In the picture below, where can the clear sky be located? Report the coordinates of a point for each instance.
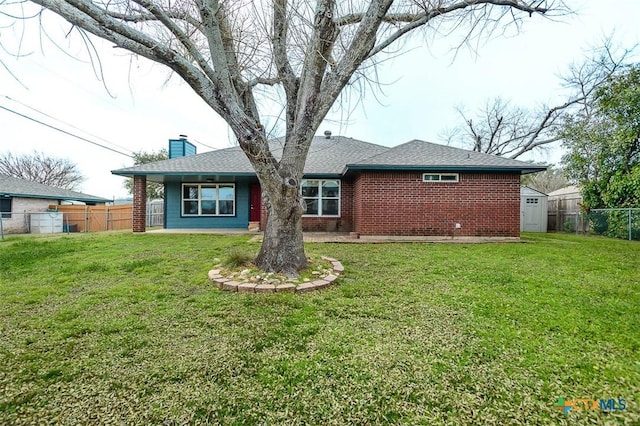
(141, 110)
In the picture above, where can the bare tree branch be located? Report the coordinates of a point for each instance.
(40, 168)
(511, 131)
(286, 74)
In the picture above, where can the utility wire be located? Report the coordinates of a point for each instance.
(204, 144)
(64, 131)
(67, 124)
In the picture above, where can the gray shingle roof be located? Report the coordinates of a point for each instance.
(17, 187)
(418, 154)
(335, 156)
(330, 156)
(223, 161)
(326, 156)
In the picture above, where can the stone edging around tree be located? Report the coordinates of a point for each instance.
(224, 283)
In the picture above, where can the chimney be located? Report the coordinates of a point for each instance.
(327, 134)
(181, 147)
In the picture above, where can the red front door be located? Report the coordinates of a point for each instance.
(255, 203)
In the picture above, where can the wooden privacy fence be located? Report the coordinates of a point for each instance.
(96, 218)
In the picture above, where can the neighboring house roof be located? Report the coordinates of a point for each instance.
(334, 157)
(16, 187)
(567, 190)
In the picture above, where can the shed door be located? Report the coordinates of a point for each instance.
(255, 203)
(531, 217)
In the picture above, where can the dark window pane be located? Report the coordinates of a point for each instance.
(312, 206)
(310, 188)
(450, 178)
(226, 207)
(5, 207)
(330, 207)
(431, 177)
(190, 207)
(190, 192)
(330, 188)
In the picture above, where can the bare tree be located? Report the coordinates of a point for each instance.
(503, 129)
(238, 54)
(37, 167)
(548, 181)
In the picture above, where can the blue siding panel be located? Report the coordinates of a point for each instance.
(174, 220)
(181, 148)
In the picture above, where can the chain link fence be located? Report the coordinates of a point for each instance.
(615, 223)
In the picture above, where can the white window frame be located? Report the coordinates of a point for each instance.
(200, 199)
(531, 201)
(320, 198)
(456, 178)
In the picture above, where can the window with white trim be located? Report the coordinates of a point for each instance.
(5, 207)
(208, 199)
(532, 201)
(321, 196)
(440, 177)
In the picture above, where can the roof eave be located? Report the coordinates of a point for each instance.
(322, 175)
(443, 168)
(200, 173)
(55, 197)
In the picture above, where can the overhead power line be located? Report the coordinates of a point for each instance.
(68, 124)
(65, 132)
(204, 144)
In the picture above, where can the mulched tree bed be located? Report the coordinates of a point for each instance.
(321, 273)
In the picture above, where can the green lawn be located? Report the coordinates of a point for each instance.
(126, 329)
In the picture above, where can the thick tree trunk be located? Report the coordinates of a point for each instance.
(282, 248)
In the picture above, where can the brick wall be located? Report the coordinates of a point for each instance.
(263, 216)
(139, 204)
(484, 204)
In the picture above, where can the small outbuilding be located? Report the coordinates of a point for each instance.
(533, 210)
(25, 205)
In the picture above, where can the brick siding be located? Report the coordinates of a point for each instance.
(139, 203)
(399, 203)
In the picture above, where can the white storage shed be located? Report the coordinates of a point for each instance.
(533, 210)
